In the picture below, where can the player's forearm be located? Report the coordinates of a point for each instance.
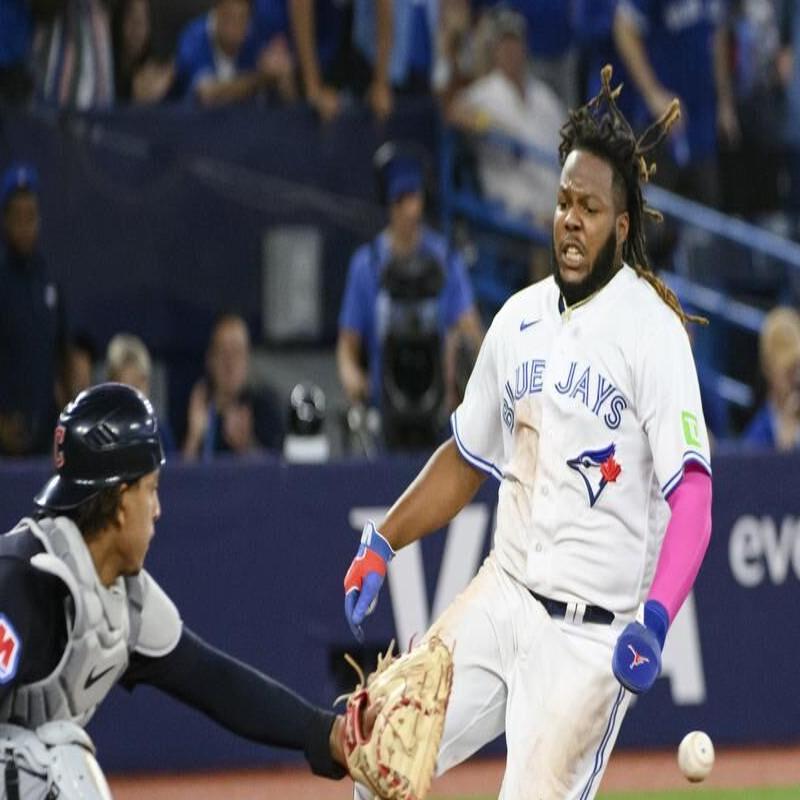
(241, 699)
(444, 486)
(685, 541)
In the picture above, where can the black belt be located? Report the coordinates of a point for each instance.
(558, 610)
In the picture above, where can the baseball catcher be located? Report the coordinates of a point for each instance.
(79, 613)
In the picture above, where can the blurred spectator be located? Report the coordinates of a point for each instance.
(77, 371)
(16, 31)
(222, 60)
(550, 37)
(751, 166)
(407, 305)
(226, 413)
(32, 339)
(777, 422)
(593, 22)
(328, 60)
(679, 48)
(789, 74)
(138, 77)
(511, 100)
(128, 361)
(398, 40)
(455, 61)
(73, 62)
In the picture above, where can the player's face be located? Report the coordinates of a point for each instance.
(139, 510)
(21, 223)
(232, 20)
(588, 232)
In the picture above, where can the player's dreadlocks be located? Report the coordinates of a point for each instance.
(600, 128)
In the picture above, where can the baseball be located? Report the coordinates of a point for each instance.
(696, 756)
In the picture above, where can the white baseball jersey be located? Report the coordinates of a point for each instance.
(609, 390)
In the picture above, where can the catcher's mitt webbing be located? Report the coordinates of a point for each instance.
(397, 761)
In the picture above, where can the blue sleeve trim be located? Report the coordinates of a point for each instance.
(476, 461)
(689, 457)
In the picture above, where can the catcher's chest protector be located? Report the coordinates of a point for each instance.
(102, 626)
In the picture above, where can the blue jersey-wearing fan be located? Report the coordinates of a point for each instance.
(593, 23)
(414, 26)
(16, 28)
(679, 39)
(199, 57)
(549, 24)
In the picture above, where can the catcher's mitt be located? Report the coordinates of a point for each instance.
(410, 692)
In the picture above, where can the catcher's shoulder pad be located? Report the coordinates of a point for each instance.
(411, 691)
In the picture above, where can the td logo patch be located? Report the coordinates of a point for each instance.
(691, 433)
(10, 649)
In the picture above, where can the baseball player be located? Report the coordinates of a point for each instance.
(78, 613)
(584, 405)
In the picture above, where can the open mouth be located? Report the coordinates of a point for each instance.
(572, 255)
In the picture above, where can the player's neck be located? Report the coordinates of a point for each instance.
(104, 556)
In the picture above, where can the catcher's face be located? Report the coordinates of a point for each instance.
(138, 511)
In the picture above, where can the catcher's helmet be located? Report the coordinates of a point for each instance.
(106, 436)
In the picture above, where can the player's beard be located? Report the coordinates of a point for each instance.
(603, 269)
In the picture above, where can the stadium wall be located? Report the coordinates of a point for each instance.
(253, 553)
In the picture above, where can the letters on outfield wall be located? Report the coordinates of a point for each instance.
(254, 555)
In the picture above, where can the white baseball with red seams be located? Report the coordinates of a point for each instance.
(696, 756)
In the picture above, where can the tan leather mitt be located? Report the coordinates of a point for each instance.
(411, 691)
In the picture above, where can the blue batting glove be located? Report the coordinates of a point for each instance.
(637, 654)
(365, 577)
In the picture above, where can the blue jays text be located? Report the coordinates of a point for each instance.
(581, 383)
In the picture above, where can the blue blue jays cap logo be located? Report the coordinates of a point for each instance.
(598, 468)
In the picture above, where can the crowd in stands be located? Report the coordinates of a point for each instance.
(512, 68)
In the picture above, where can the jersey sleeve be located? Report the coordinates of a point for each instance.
(476, 423)
(161, 623)
(668, 400)
(354, 313)
(32, 623)
(458, 298)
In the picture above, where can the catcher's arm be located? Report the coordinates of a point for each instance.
(244, 700)
(443, 487)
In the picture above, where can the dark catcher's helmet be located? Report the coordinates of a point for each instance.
(108, 435)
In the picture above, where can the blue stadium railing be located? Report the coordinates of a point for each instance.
(463, 201)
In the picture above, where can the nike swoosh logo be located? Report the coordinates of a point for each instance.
(91, 678)
(523, 326)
